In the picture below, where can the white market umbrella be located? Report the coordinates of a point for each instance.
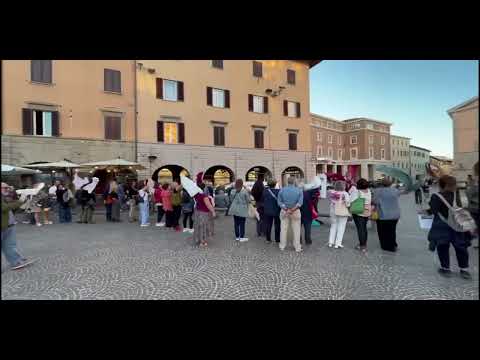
(64, 164)
(115, 163)
(16, 170)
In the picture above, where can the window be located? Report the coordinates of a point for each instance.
(353, 153)
(340, 154)
(41, 71)
(258, 104)
(257, 69)
(370, 139)
(291, 77)
(258, 139)
(339, 139)
(318, 136)
(356, 126)
(291, 109)
(319, 150)
(370, 126)
(330, 153)
(330, 139)
(218, 98)
(353, 139)
(219, 135)
(382, 140)
(112, 81)
(292, 141)
(113, 128)
(40, 123)
(218, 64)
(371, 153)
(170, 90)
(382, 154)
(170, 132)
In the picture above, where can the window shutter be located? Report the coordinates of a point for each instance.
(227, 98)
(291, 77)
(222, 136)
(159, 88)
(106, 82)
(160, 137)
(298, 110)
(180, 91)
(265, 105)
(217, 64)
(36, 70)
(117, 81)
(108, 134)
(261, 134)
(215, 135)
(181, 133)
(255, 139)
(250, 102)
(27, 121)
(292, 141)
(55, 124)
(257, 69)
(116, 128)
(285, 107)
(209, 96)
(47, 71)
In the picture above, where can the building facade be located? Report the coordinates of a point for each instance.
(465, 137)
(400, 152)
(442, 164)
(352, 147)
(419, 159)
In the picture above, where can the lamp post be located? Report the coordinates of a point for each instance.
(151, 158)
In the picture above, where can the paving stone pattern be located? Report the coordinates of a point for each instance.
(124, 261)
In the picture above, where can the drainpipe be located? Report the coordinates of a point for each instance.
(135, 109)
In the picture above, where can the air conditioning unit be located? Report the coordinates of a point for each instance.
(152, 71)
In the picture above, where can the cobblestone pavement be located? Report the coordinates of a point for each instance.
(124, 261)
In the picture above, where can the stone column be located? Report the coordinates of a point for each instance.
(364, 171)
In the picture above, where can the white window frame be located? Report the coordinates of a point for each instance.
(330, 152)
(292, 109)
(258, 104)
(382, 154)
(382, 140)
(371, 152)
(340, 154)
(351, 140)
(371, 139)
(165, 93)
(218, 98)
(330, 139)
(319, 150)
(34, 127)
(356, 152)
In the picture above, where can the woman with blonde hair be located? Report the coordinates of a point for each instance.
(339, 203)
(110, 198)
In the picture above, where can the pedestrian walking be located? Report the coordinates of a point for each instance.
(418, 191)
(339, 203)
(271, 211)
(112, 204)
(9, 240)
(441, 235)
(360, 208)
(257, 193)
(144, 205)
(239, 203)
(157, 197)
(290, 200)
(188, 205)
(386, 201)
(204, 214)
(63, 196)
(176, 205)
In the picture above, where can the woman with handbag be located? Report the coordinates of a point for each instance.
(239, 208)
(271, 211)
(63, 196)
(339, 203)
(360, 208)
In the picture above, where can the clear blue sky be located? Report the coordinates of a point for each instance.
(413, 95)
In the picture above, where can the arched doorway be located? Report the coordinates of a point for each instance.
(253, 173)
(294, 171)
(219, 175)
(169, 173)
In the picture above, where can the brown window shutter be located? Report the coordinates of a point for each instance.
(160, 137)
(291, 77)
(217, 64)
(257, 69)
(36, 70)
(180, 90)
(227, 99)
(47, 71)
(106, 80)
(298, 110)
(292, 141)
(265, 105)
(250, 102)
(215, 135)
(285, 107)
(159, 88)
(222, 136)
(27, 121)
(255, 139)
(209, 96)
(108, 128)
(116, 128)
(181, 133)
(55, 124)
(260, 136)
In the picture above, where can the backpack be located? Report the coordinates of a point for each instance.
(459, 219)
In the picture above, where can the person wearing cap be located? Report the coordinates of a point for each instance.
(9, 240)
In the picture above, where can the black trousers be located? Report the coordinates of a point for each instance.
(177, 213)
(307, 226)
(361, 225)
(188, 216)
(239, 225)
(169, 218)
(418, 197)
(108, 208)
(269, 221)
(261, 222)
(160, 213)
(387, 234)
(461, 251)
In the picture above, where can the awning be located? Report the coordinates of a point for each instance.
(115, 163)
(16, 170)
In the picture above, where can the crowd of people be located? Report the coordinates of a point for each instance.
(294, 206)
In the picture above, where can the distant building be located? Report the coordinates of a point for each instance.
(400, 152)
(419, 159)
(465, 137)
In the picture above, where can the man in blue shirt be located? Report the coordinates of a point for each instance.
(290, 200)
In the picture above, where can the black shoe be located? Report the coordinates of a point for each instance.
(445, 272)
(465, 274)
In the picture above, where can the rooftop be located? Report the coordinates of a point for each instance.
(462, 105)
(400, 137)
(420, 148)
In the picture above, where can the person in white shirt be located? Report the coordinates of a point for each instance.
(361, 220)
(339, 203)
(144, 205)
(323, 186)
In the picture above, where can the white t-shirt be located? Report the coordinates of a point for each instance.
(52, 190)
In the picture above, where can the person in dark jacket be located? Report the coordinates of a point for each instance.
(441, 235)
(112, 203)
(309, 202)
(64, 212)
(188, 205)
(87, 202)
(257, 193)
(271, 211)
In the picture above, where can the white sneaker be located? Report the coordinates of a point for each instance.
(38, 224)
(237, 239)
(338, 246)
(186, 230)
(243, 239)
(330, 245)
(158, 224)
(144, 225)
(191, 231)
(162, 224)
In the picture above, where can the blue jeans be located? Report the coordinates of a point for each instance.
(239, 224)
(64, 214)
(9, 246)
(144, 212)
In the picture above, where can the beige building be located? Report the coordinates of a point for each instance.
(465, 137)
(419, 159)
(352, 147)
(400, 152)
(441, 164)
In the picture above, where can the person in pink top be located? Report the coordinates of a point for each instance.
(166, 198)
(157, 196)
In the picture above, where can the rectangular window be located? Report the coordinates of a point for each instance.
(112, 81)
(330, 139)
(219, 135)
(257, 69)
(113, 128)
(353, 154)
(330, 153)
(371, 153)
(340, 154)
(170, 90)
(258, 104)
(218, 98)
(370, 126)
(319, 150)
(291, 77)
(291, 109)
(353, 139)
(41, 71)
(339, 139)
(292, 141)
(382, 154)
(318, 136)
(258, 139)
(218, 64)
(370, 139)
(382, 140)
(170, 132)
